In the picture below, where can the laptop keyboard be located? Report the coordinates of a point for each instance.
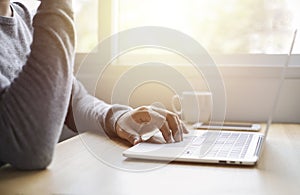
(220, 144)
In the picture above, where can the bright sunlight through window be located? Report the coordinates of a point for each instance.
(221, 26)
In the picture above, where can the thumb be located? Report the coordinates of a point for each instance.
(133, 137)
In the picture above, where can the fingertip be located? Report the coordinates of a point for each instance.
(185, 130)
(178, 136)
(136, 141)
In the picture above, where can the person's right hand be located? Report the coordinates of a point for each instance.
(142, 123)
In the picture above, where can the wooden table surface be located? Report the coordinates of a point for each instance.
(90, 164)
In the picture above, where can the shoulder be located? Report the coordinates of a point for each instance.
(22, 11)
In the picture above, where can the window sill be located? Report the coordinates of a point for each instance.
(254, 66)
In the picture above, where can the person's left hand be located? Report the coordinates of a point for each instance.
(142, 123)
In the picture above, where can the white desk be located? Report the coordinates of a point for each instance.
(75, 170)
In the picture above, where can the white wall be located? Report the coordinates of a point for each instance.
(249, 90)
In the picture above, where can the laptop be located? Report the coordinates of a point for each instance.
(211, 146)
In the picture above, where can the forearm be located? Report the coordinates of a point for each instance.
(92, 114)
(33, 106)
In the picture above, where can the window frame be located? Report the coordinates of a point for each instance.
(108, 25)
(237, 68)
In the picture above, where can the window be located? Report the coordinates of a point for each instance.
(221, 26)
(237, 32)
(86, 22)
(226, 28)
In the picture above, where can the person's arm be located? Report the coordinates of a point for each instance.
(33, 107)
(88, 113)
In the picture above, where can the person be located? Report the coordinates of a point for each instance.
(39, 93)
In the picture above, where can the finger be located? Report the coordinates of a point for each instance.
(161, 111)
(156, 140)
(184, 129)
(175, 127)
(166, 132)
(133, 137)
(173, 122)
(180, 124)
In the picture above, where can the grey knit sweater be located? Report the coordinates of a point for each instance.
(37, 83)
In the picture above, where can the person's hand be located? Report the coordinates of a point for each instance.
(142, 123)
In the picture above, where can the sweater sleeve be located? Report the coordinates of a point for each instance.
(34, 105)
(88, 113)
